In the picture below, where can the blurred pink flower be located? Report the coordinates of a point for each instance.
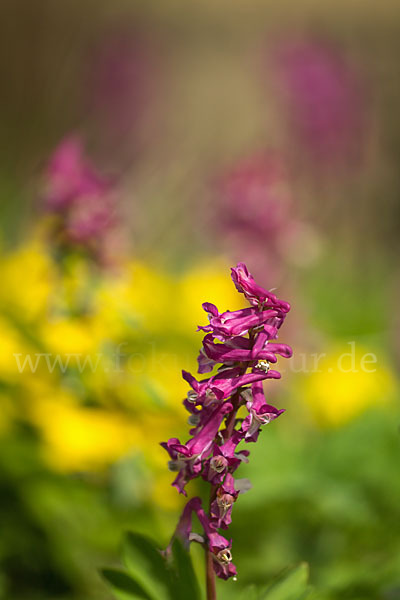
(257, 219)
(326, 100)
(82, 200)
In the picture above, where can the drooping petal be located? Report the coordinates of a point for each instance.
(254, 293)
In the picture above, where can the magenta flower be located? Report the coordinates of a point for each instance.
(255, 212)
(255, 197)
(184, 528)
(229, 324)
(256, 216)
(224, 458)
(242, 350)
(260, 413)
(221, 506)
(187, 458)
(220, 386)
(219, 548)
(326, 100)
(216, 544)
(243, 344)
(81, 200)
(69, 177)
(255, 294)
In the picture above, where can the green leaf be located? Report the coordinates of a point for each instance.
(292, 585)
(124, 587)
(145, 563)
(250, 593)
(187, 587)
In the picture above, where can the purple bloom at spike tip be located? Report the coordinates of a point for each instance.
(243, 344)
(255, 294)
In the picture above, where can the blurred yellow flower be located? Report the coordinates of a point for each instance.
(81, 438)
(140, 320)
(205, 282)
(70, 336)
(345, 384)
(162, 492)
(12, 345)
(27, 277)
(150, 294)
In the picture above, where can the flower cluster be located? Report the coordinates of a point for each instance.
(326, 98)
(255, 211)
(257, 217)
(242, 345)
(80, 199)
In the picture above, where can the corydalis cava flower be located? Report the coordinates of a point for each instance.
(242, 345)
(326, 97)
(80, 199)
(257, 216)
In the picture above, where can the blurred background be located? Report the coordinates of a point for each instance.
(146, 148)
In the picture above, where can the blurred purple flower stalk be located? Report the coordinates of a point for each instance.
(243, 344)
(257, 218)
(326, 98)
(81, 200)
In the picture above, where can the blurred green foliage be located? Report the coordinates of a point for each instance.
(330, 498)
(150, 576)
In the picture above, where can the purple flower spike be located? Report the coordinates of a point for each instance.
(70, 176)
(326, 96)
(243, 345)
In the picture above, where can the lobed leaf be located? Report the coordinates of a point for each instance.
(292, 585)
(124, 586)
(145, 563)
(187, 587)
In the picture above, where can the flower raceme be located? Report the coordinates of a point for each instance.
(242, 346)
(81, 200)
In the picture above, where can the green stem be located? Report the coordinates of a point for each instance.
(210, 577)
